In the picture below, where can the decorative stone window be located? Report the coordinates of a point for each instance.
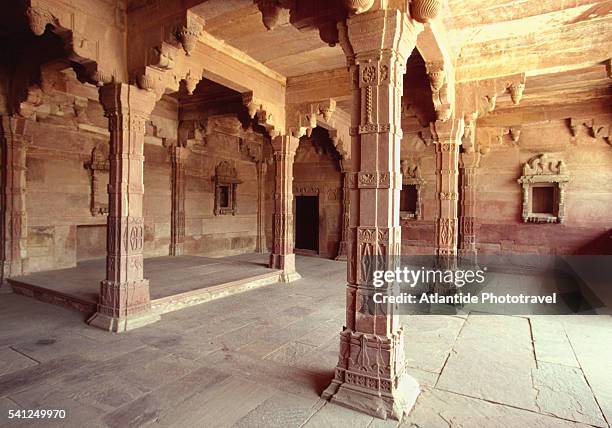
(98, 166)
(544, 179)
(410, 195)
(226, 182)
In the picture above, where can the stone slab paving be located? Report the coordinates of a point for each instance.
(262, 358)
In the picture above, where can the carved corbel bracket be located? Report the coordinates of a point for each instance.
(39, 18)
(597, 130)
(515, 133)
(441, 95)
(257, 110)
(303, 118)
(516, 92)
(358, 6)
(271, 10)
(188, 36)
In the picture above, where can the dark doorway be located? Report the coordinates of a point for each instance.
(408, 198)
(307, 223)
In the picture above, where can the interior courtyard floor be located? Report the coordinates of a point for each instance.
(262, 358)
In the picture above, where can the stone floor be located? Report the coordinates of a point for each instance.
(261, 359)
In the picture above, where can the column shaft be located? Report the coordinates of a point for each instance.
(282, 256)
(346, 209)
(177, 233)
(370, 375)
(260, 244)
(14, 216)
(124, 301)
(467, 228)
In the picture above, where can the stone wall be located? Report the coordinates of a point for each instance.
(587, 228)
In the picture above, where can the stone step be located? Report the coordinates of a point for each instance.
(176, 302)
(54, 297)
(160, 306)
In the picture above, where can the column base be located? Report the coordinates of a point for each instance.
(120, 325)
(382, 405)
(341, 257)
(289, 277)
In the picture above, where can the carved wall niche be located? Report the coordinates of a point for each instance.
(99, 167)
(544, 179)
(412, 190)
(226, 183)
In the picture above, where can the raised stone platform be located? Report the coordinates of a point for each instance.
(175, 282)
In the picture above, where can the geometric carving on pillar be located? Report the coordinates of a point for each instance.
(124, 302)
(469, 163)
(98, 164)
(370, 375)
(282, 256)
(543, 181)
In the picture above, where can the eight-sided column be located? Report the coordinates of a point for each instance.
(371, 372)
(282, 256)
(124, 302)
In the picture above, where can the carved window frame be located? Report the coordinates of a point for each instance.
(411, 175)
(544, 171)
(226, 176)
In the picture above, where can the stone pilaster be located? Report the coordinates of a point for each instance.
(260, 244)
(14, 218)
(468, 224)
(177, 233)
(124, 302)
(346, 209)
(447, 136)
(282, 256)
(371, 372)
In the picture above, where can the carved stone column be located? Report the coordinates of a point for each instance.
(124, 302)
(467, 228)
(346, 208)
(447, 137)
(260, 244)
(282, 256)
(371, 372)
(14, 217)
(177, 233)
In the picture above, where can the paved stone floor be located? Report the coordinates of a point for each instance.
(261, 359)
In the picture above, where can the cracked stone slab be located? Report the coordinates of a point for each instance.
(428, 340)
(492, 360)
(13, 361)
(550, 341)
(441, 409)
(334, 416)
(563, 392)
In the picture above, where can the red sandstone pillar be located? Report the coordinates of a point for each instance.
(282, 256)
(177, 223)
(14, 224)
(346, 208)
(260, 244)
(124, 302)
(467, 228)
(371, 372)
(447, 136)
